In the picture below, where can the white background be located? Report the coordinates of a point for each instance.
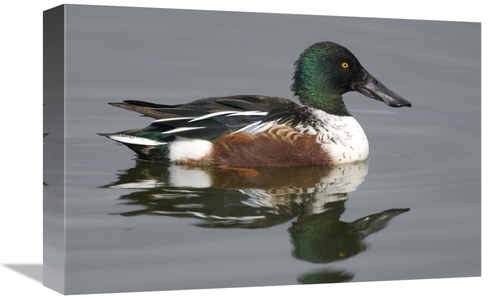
(21, 147)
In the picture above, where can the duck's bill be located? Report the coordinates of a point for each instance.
(371, 87)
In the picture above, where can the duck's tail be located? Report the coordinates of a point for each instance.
(147, 145)
(145, 108)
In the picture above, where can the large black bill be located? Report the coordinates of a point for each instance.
(371, 87)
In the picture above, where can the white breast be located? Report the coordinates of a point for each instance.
(340, 136)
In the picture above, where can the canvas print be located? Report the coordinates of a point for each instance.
(189, 149)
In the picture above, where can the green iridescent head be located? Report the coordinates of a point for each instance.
(326, 70)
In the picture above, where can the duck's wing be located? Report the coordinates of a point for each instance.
(212, 117)
(205, 106)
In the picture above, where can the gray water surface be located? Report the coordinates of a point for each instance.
(411, 211)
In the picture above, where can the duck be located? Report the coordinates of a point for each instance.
(266, 131)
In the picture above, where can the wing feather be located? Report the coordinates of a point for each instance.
(210, 118)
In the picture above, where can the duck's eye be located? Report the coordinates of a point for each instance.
(345, 65)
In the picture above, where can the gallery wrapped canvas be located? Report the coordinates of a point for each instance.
(189, 149)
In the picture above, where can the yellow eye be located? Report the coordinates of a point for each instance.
(345, 65)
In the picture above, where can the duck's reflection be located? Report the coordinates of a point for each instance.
(325, 276)
(323, 238)
(313, 198)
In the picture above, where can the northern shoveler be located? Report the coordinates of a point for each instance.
(253, 130)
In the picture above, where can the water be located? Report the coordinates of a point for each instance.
(412, 211)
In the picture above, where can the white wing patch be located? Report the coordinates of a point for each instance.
(249, 113)
(135, 140)
(171, 119)
(210, 115)
(262, 127)
(182, 129)
(255, 127)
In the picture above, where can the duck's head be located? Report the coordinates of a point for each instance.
(326, 70)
